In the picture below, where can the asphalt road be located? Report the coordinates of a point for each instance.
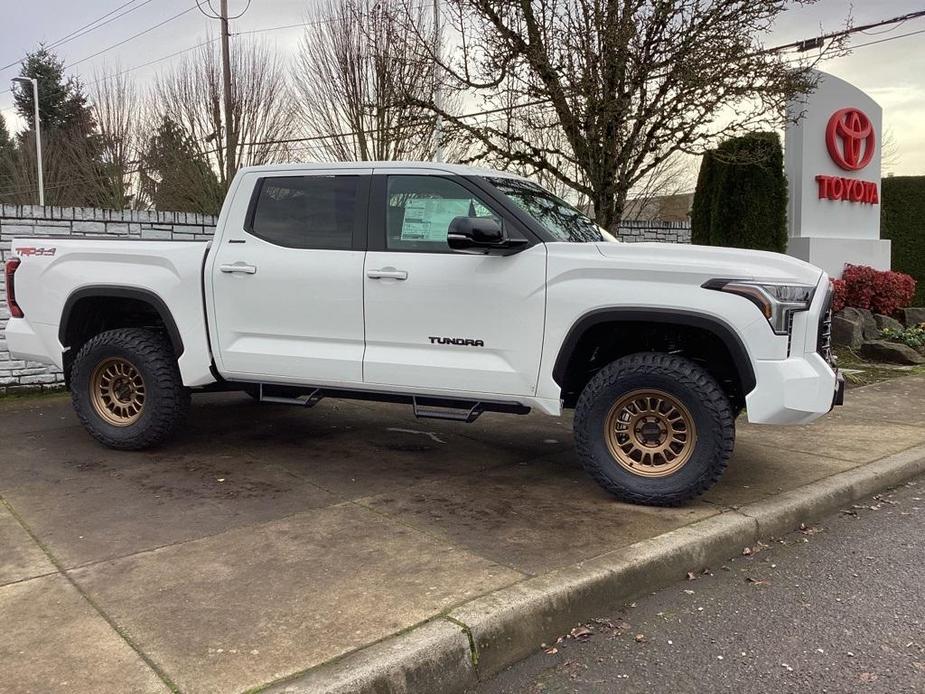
(838, 607)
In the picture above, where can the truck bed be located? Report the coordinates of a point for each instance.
(54, 272)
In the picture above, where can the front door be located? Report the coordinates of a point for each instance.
(287, 287)
(443, 320)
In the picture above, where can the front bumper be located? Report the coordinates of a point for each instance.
(793, 391)
(806, 385)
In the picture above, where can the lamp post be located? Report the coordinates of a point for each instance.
(38, 132)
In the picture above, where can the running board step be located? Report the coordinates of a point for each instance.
(424, 407)
(455, 414)
(281, 397)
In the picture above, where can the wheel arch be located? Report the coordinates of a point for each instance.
(105, 293)
(663, 318)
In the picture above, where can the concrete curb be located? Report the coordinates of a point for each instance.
(482, 637)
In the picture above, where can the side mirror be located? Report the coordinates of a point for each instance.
(475, 233)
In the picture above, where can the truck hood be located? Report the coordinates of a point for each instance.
(712, 262)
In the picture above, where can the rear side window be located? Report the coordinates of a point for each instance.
(317, 212)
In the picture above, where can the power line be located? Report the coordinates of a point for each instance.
(130, 38)
(106, 78)
(890, 38)
(91, 29)
(77, 32)
(819, 41)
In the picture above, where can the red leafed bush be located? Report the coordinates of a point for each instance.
(881, 291)
(839, 295)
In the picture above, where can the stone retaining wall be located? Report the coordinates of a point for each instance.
(667, 232)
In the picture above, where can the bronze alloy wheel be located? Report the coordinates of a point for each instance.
(650, 433)
(117, 391)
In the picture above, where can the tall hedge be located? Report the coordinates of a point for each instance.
(902, 220)
(700, 206)
(741, 195)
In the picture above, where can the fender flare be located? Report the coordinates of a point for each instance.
(108, 291)
(729, 337)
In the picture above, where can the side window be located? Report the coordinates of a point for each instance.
(317, 212)
(419, 210)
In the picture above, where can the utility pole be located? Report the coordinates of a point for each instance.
(230, 166)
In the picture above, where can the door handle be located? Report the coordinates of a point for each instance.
(387, 274)
(239, 267)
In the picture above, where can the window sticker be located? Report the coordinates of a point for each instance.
(428, 219)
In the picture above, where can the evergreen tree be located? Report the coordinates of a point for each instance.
(7, 154)
(175, 176)
(75, 173)
(62, 103)
(741, 196)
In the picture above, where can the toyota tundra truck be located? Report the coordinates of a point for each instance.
(456, 290)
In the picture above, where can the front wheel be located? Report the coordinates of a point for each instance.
(127, 390)
(654, 428)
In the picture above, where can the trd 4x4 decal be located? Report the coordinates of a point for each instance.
(35, 251)
(462, 341)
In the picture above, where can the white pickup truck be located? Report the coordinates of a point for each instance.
(456, 290)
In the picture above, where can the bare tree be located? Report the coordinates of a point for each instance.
(262, 108)
(357, 61)
(889, 152)
(628, 84)
(117, 110)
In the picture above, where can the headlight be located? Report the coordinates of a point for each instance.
(778, 302)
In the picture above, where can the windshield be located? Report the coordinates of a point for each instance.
(559, 218)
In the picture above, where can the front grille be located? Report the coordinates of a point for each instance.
(824, 337)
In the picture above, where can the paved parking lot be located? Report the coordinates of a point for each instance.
(267, 540)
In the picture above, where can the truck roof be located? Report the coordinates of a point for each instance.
(425, 168)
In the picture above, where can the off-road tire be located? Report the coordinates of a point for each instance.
(166, 400)
(700, 395)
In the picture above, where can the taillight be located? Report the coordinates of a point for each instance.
(11, 265)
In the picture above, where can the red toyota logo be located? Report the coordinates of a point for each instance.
(851, 139)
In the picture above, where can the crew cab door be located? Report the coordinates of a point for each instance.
(287, 278)
(443, 320)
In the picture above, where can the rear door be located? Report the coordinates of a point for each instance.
(443, 320)
(287, 283)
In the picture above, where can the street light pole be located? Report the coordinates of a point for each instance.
(437, 96)
(38, 133)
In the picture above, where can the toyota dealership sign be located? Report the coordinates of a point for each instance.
(852, 143)
(833, 169)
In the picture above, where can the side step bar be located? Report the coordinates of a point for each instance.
(423, 407)
(305, 400)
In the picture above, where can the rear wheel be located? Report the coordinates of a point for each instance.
(654, 429)
(127, 390)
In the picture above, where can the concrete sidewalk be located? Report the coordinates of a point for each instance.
(267, 541)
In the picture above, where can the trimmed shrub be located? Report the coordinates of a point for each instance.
(741, 195)
(902, 220)
(702, 203)
(877, 290)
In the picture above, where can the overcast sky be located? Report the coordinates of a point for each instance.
(893, 71)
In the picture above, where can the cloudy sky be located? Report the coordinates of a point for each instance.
(891, 68)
